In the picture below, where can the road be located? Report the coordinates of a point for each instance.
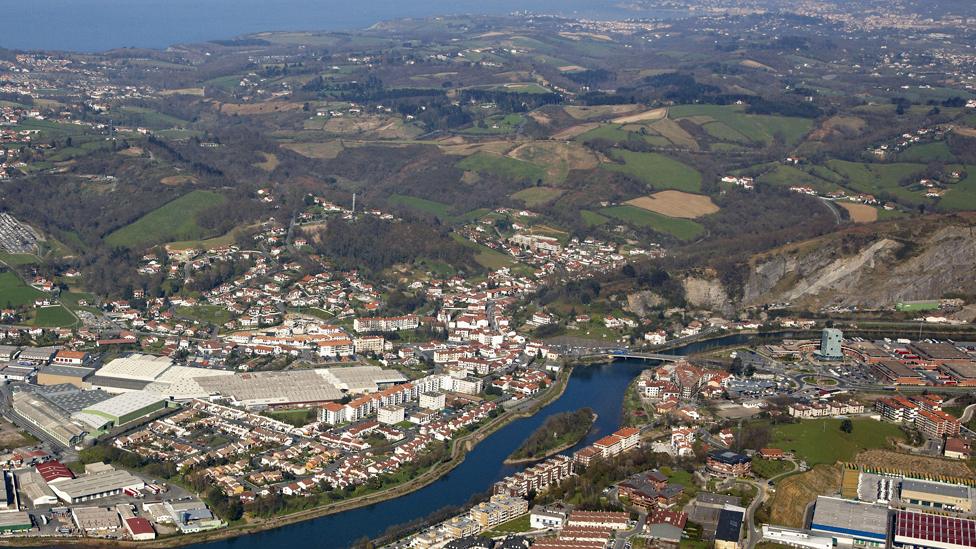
(967, 414)
(753, 532)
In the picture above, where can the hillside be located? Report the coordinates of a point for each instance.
(878, 265)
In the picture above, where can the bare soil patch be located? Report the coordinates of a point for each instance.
(789, 503)
(326, 150)
(574, 131)
(676, 204)
(270, 162)
(646, 116)
(176, 180)
(860, 213)
(886, 459)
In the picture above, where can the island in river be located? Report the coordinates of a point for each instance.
(559, 432)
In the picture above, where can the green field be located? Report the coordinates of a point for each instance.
(536, 196)
(789, 176)
(880, 178)
(208, 314)
(683, 229)
(51, 317)
(514, 526)
(485, 256)
(14, 292)
(962, 195)
(758, 128)
(176, 220)
(593, 219)
(437, 209)
(15, 260)
(928, 152)
(767, 468)
(916, 306)
(657, 170)
(502, 166)
(498, 124)
(822, 441)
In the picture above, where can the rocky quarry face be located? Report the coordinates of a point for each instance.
(880, 273)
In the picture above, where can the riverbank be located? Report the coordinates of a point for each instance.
(553, 451)
(459, 448)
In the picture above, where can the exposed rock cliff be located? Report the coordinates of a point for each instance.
(921, 261)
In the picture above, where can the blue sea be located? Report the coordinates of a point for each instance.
(98, 25)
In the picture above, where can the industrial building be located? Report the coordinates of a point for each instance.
(40, 413)
(851, 522)
(34, 490)
(96, 520)
(120, 409)
(60, 374)
(924, 530)
(95, 486)
(792, 537)
(130, 373)
(937, 495)
(37, 356)
(14, 522)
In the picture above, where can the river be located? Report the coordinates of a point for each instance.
(601, 387)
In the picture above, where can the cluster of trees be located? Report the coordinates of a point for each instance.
(511, 101)
(558, 430)
(587, 487)
(374, 245)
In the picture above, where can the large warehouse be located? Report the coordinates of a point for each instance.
(851, 522)
(40, 413)
(130, 373)
(121, 409)
(89, 487)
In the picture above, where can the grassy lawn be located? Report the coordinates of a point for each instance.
(962, 195)
(513, 526)
(502, 166)
(485, 256)
(769, 468)
(822, 441)
(593, 219)
(789, 176)
(298, 418)
(929, 152)
(14, 292)
(176, 220)
(51, 317)
(683, 229)
(657, 170)
(15, 260)
(536, 196)
(210, 314)
(437, 209)
(498, 124)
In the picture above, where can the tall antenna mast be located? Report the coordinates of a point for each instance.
(354, 203)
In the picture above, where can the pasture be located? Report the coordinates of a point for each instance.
(859, 213)
(657, 170)
(758, 128)
(682, 229)
(14, 292)
(537, 196)
(502, 166)
(175, 220)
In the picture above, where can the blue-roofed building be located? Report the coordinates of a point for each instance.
(851, 523)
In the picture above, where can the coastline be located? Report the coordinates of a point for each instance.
(459, 448)
(552, 451)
